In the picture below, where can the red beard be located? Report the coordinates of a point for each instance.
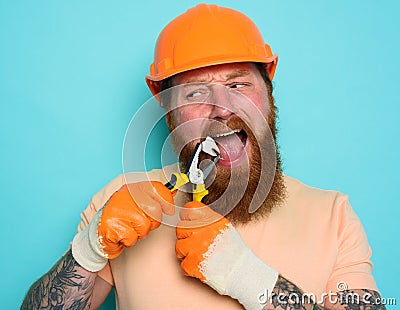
(249, 191)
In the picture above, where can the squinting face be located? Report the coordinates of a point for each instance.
(242, 77)
(230, 103)
(237, 100)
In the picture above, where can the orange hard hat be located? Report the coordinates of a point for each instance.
(207, 35)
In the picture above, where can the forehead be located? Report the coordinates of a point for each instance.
(218, 73)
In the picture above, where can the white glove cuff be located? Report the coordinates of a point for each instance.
(86, 247)
(231, 268)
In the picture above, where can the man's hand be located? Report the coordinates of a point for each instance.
(197, 230)
(212, 250)
(129, 215)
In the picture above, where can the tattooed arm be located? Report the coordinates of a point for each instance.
(114, 227)
(287, 295)
(67, 286)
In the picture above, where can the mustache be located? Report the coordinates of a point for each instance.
(215, 128)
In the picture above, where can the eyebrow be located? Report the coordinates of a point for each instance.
(229, 76)
(237, 73)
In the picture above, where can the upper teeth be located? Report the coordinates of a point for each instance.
(227, 133)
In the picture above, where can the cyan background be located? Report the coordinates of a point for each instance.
(72, 76)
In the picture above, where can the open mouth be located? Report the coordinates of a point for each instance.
(232, 145)
(242, 135)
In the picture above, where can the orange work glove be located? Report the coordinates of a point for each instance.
(197, 230)
(212, 250)
(129, 215)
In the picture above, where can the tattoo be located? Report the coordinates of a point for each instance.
(66, 286)
(282, 297)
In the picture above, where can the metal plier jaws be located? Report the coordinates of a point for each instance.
(193, 173)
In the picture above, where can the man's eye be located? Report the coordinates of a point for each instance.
(194, 94)
(237, 85)
(197, 95)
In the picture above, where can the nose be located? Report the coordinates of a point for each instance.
(222, 107)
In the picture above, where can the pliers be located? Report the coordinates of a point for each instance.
(193, 173)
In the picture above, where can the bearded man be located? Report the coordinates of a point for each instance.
(259, 239)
